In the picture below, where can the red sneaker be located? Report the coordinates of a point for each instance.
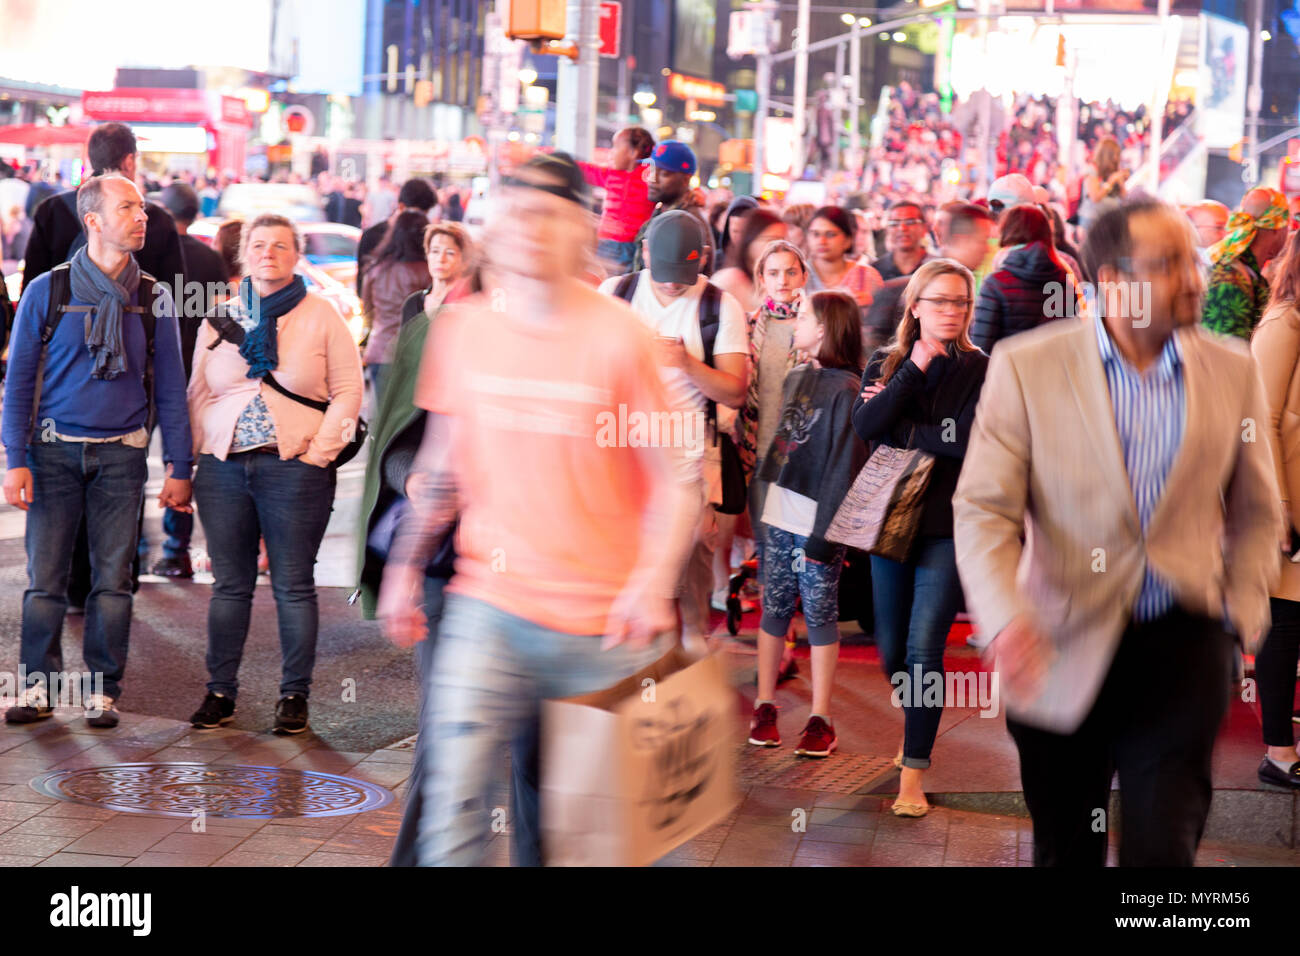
(818, 739)
(763, 731)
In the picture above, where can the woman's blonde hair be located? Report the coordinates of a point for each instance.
(909, 328)
(771, 249)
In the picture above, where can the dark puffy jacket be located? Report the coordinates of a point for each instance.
(1020, 296)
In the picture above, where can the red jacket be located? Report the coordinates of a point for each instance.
(627, 204)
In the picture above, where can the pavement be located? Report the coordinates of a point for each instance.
(793, 811)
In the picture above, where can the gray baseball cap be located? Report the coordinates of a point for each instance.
(676, 241)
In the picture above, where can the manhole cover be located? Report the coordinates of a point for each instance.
(179, 789)
(839, 773)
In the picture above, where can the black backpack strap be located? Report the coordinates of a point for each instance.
(626, 287)
(710, 322)
(710, 319)
(148, 297)
(55, 307)
(227, 329)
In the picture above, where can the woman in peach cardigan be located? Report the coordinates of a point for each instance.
(265, 461)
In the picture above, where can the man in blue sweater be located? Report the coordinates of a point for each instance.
(83, 448)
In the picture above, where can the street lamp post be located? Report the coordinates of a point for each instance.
(800, 90)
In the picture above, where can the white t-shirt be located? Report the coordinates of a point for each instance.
(680, 319)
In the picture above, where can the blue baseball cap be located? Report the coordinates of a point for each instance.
(673, 155)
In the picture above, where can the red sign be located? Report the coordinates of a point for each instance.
(692, 88)
(611, 28)
(143, 105)
(147, 105)
(235, 110)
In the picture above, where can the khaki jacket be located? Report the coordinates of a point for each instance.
(1045, 462)
(1276, 347)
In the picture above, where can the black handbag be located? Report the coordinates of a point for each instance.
(227, 328)
(358, 434)
(733, 478)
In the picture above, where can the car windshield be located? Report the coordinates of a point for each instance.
(323, 244)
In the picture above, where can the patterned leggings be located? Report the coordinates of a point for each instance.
(789, 575)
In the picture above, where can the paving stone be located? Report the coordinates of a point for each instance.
(835, 817)
(814, 853)
(56, 826)
(321, 858)
(32, 844)
(905, 854)
(84, 859)
(14, 811)
(824, 833)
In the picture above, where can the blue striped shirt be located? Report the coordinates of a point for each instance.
(1150, 414)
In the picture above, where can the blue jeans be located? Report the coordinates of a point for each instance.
(916, 603)
(526, 842)
(620, 253)
(491, 672)
(288, 503)
(179, 528)
(105, 483)
(378, 379)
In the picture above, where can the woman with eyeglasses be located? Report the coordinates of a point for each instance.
(920, 392)
(1031, 285)
(830, 237)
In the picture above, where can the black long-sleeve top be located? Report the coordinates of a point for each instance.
(931, 410)
(56, 232)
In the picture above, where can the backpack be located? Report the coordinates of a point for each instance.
(733, 473)
(58, 306)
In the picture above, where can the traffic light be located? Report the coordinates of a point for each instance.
(1060, 49)
(1236, 150)
(536, 20)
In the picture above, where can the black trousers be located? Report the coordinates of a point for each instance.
(1155, 720)
(1275, 672)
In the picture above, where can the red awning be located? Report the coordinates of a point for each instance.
(29, 134)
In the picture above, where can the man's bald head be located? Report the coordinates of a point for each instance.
(1210, 219)
(1268, 241)
(1257, 201)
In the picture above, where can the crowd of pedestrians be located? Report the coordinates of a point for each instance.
(1048, 407)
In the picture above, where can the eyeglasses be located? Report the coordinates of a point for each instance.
(900, 223)
(947, 305)
(996, 206)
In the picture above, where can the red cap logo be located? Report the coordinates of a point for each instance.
(695, 254)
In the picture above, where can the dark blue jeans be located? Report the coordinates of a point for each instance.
(524, 756)
(179, 527)
(916, 603)
(621, 253)
(288, 503)
(105, 483)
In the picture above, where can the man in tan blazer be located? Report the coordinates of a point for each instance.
(1116, 512)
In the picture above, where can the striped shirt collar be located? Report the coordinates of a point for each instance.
(1171, 356)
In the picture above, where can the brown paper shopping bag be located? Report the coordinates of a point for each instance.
(633, 771)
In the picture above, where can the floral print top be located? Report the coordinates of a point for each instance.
(254, 427)
(1236, 298)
